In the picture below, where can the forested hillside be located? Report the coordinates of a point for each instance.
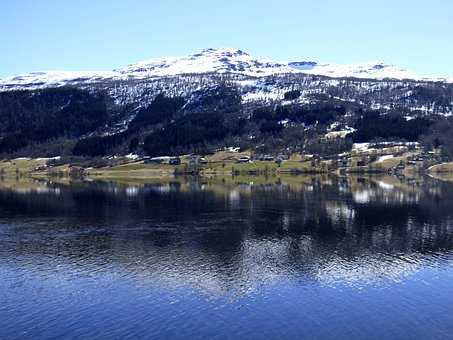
(201, 113)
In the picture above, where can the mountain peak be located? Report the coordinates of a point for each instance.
(210, 60)
(232, 52)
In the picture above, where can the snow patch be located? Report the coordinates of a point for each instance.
(384, 158)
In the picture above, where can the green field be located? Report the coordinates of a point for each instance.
(20, 167)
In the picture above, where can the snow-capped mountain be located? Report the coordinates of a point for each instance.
(216, 88)
(220, 61)
(225, 60)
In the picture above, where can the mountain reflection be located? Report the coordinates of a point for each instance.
(230, 236)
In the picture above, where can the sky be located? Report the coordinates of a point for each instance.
(40, 35)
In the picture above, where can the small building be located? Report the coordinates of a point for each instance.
(307, 157)
(361, 163)
(174, 161)
(243, 159)
(158, 160)
(400, 166)
(343, 161)
(279, 160)
(197, 160)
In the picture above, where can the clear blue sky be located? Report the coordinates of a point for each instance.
(103, 34)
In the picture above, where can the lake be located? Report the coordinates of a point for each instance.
(242, 258)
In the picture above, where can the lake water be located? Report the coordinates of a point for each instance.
(294, 258)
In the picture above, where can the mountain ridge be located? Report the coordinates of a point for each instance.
(212, 60)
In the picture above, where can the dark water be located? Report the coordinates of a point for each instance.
(303, 258)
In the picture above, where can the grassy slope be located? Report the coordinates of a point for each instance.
(442, 168)
(20, 167)
(381, 166)
(223, 163)
(133, 170)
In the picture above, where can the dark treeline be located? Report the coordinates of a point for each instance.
(373, 125)
(27, 117)
(167, 129)
(161, 110)
(98, 145)
(440, 135)
(194, 131)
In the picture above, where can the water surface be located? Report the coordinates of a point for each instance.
(252, 258)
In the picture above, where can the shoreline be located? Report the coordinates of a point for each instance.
(38, 168)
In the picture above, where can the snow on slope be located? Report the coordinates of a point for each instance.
(224, 60)
(52, 79)
(377, 70)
